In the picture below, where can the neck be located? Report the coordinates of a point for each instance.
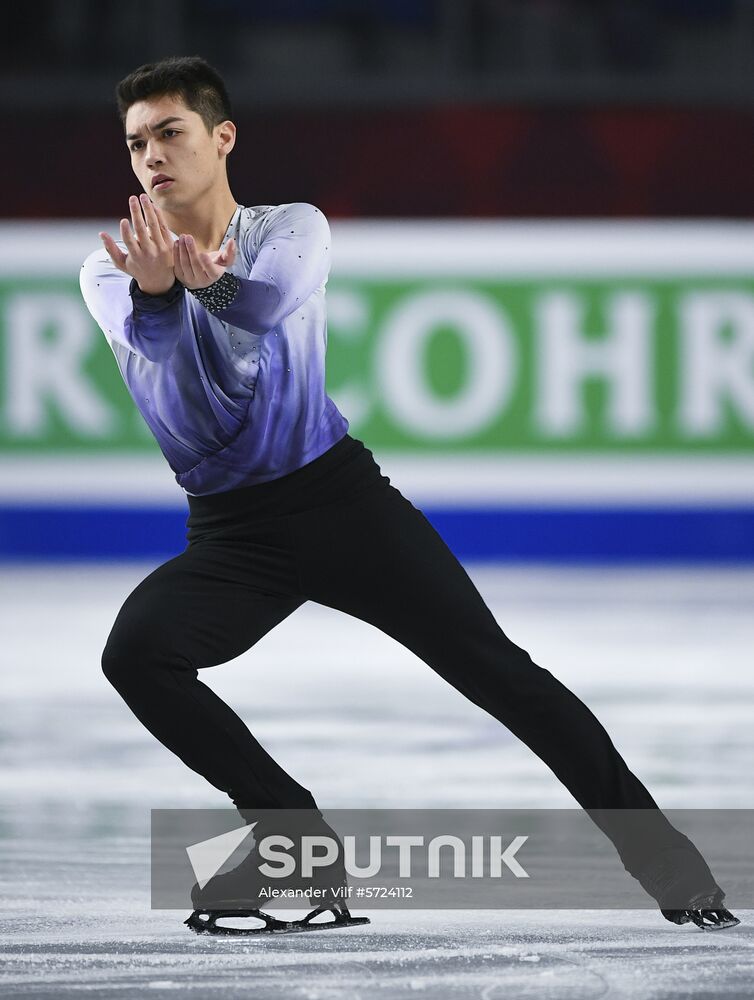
(206, 220)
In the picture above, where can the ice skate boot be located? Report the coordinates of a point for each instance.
(686, 892)
(239, 895)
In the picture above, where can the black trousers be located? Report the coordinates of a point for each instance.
(337, 532)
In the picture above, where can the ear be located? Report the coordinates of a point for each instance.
(225, 137)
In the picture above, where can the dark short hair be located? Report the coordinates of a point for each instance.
(189, 77)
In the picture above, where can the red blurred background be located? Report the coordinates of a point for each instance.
(405, 108)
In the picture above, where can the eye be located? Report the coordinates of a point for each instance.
(173, 130)
(136, 145)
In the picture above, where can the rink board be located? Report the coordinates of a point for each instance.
(578, 535)
(598, 510)
(542, 391)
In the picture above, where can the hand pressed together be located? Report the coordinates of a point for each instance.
(198, 269)
(150, 247)
(155, 260)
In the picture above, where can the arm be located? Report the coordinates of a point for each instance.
(148, 325)
(292, 263)
(143, 314)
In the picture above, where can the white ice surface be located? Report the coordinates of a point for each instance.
(663, 658)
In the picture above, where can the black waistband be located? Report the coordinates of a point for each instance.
(343, 470)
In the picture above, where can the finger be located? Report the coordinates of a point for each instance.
(116, 254)
(140, 226)
(164, 228)
(177, 264)
(197, 266)
(186, 264)
(127, 236)
(191, 260)
(209, 267)
(153, 223)
(228, 255)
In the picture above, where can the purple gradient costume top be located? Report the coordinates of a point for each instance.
(235, 396)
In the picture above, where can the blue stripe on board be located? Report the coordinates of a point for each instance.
(516, 534)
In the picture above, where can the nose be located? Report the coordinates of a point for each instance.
(153, 157)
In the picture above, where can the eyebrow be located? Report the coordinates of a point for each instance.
(154, 128)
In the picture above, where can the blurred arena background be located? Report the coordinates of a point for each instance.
(541, 321)
(541, 309)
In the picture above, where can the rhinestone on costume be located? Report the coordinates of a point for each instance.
(220, 294)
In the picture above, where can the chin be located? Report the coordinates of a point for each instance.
(166, 199)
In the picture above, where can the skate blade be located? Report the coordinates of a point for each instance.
(205, 922)
(714, 920)
(705, 920)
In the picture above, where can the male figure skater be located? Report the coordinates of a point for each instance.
(215, 313)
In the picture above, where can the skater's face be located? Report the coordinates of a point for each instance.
(167, 140)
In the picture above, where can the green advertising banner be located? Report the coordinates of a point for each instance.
(538, 365)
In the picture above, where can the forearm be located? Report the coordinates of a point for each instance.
(286, 264)
(251, 304)
(154, 326)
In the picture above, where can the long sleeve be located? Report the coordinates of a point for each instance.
(230, 408)
(293, 261)
(148, 325)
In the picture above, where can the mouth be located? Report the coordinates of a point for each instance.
(161, 182)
